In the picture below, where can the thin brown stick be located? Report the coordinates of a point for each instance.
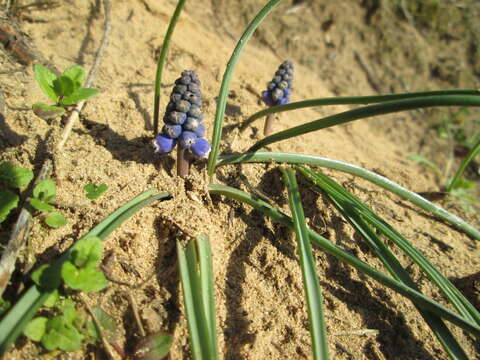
(21, 230)
(268, 127)
(135, 313)
(107, 347)
(91, 75)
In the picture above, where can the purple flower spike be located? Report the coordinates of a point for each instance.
(201, 148)
(279, 89)
(163, 144)
(187, 139)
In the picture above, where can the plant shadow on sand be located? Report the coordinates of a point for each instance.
(139, 150)
(376, 309)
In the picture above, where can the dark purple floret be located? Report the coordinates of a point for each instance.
(201, 148)
(280, 88)
(183, 117)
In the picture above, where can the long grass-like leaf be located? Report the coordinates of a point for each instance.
(349, 100)
(354, 170)
(368, 111)
(448, 289)
(12, 325)
(318, 240)
(348, 205)
(311, 285)
(161, 62)
(467, 160)
(197, 283)
(206, 280)
(222, 97)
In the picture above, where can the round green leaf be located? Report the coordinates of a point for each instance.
(85, 279)
(45, 190)
(14, 176)
(35, 329)
(59, 336)
(76, 74)
(155, 346)
(8, 201)
(47, 112)
(55, 219)
(40, 205)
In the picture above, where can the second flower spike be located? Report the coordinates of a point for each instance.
(278, 91)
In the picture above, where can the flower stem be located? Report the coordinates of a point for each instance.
(267, 129)
(183, 162)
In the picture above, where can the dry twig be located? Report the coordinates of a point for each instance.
(21, 229)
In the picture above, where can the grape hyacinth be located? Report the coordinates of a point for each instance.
(278, 91)
(183, 122)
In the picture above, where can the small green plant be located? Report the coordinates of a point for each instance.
(43, 194)
(64, 90)
(94, 191)
(12, 180)
(79, 271)
(68, 330)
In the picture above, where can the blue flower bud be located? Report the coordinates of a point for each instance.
(191, 123)
(201, 148)
(195, 111)
(163, 144)
(176, 117)
(187, 139)
(200, 130)
(180, 89)
(182, 106)
(172, 131)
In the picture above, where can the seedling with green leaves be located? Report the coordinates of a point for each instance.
(79, 271)
(69, 330)
(64, 90)
(94, 191)
(12, 180)
(44, 193)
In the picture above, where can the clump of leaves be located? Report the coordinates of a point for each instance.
(44, 194)
(64, 90)
(12, 180)
(68, 329)
(79, 271)
(94, 191)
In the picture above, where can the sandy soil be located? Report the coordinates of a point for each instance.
(341, 49)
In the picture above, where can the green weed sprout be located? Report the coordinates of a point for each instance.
(78, 272)
(94, 191)
(64, 90)
(12, 180)
(43, 194)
